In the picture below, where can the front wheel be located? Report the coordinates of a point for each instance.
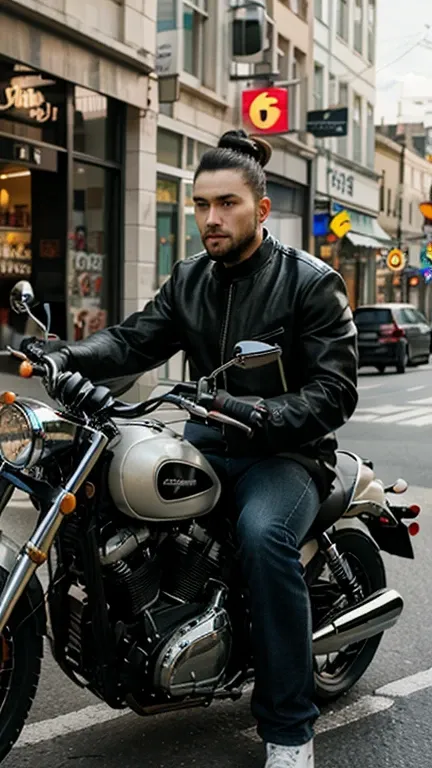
(336, 673)
(21, 650)
(403, 361)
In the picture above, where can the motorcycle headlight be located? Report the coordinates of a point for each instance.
(30, 431)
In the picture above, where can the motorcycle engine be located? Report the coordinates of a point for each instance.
(168, 589)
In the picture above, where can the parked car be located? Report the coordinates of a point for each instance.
(392, 335)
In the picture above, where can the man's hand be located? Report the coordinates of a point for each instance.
(37, 349)
(246, 413)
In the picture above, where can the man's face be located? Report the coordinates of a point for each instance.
(227, 214)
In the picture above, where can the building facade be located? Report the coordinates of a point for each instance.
(344, 76)
(78, 113)
(405, 182)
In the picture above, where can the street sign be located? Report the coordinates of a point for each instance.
(328, 122)
(265, 110)
(340, 224)
(396, 260)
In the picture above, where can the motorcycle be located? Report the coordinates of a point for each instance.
(145, 605)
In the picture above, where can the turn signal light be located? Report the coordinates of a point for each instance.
(413, 529)
(26, 369)
(7, 398)
(68, 504)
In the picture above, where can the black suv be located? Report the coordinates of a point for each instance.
(392, 334)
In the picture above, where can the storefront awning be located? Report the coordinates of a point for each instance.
(363, 241)
(367, 233)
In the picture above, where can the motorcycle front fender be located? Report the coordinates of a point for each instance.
(9, 552)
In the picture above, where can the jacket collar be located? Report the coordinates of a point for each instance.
(248, 267)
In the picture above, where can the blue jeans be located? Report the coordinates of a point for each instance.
(277, 501)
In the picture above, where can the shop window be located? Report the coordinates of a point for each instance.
(193, 243)
(88, 269)
(167, 226)
(169, 148)
(90, 122)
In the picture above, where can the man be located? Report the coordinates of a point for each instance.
(247, 285)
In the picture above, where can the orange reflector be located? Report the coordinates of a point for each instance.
(26, 369)
(413, 529)
(8, 398)
(68, 504)
(35, 554)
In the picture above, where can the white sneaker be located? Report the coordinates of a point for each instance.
(290, 757)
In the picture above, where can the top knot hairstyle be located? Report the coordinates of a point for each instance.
(240, 152)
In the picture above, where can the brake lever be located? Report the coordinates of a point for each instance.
(230, 422)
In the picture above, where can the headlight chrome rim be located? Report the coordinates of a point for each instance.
(31, 454)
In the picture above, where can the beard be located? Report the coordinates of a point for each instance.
(230, 251)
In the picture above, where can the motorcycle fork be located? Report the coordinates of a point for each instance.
(35, 552)
(340, 569)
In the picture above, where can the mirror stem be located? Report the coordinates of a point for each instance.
(39, 324)
(223, 367)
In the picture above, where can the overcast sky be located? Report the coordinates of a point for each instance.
(403, 75)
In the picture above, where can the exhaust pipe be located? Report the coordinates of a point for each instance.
(372, 616)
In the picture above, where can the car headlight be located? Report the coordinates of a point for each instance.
(30, 431)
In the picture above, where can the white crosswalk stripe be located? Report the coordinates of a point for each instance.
(414, 413)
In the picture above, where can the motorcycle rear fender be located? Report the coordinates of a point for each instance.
(34, 595)
(368, 496)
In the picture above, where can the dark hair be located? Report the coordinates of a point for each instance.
(238, 151)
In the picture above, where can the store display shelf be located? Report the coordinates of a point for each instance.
(15, 229)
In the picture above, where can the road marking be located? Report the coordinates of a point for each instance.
(415, 389)
(364, 387)
(65, 725)
(424, 401)
(98, 714)
(407, 685)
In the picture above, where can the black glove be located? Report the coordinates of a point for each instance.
(246, 413)
(36, 349)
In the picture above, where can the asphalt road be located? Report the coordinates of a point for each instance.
(373, 726)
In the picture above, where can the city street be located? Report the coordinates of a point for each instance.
(384, 721)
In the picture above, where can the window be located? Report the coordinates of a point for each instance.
(90, 122)
(357, 130)
(169, 148)
(358, 26)
(342, 19)
(166, 225)
(194, 18)
(342, 143)
(318, 87)
(298, 70)
(389, 209)
(90, 275)
(371, 31)
(370, 137)
(166, 15)
(319, 10)
(410, 213)
(382, 192)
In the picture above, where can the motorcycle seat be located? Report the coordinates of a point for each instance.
(347, 472)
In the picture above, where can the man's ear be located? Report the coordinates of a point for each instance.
(264, 209)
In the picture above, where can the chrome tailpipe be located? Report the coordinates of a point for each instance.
(372, 616)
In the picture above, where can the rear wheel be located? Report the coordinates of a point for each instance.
(21, 649)
(381, 368)
(336, 673)
(403, 361)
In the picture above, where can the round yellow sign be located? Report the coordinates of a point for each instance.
(396, 260)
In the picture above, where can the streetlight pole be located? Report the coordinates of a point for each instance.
(402, 142)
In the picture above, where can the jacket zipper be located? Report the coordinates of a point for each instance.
(224, 338)
(225, 332)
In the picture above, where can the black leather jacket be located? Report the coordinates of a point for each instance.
(278, 295)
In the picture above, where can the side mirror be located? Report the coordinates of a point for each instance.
(21, 297)
(254, 354)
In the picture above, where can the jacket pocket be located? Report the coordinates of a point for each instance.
(269, 335)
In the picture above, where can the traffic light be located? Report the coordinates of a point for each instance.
(414, 281)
